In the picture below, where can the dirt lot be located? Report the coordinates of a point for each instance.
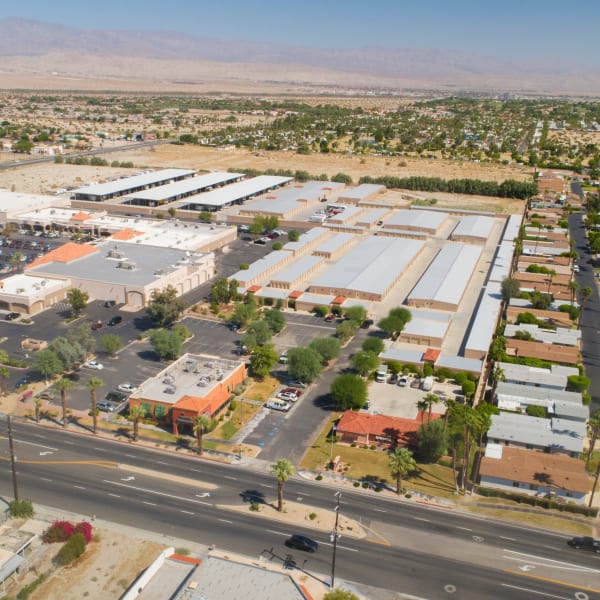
(50, 177)
(110, 564)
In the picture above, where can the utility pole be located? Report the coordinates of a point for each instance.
(13, 458)
(334, 536)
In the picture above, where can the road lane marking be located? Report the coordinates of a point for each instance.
(67, 442)
(339, 547)
(277, 532)
(463, 528)
(558, 564)
(45, 479)
(265, 485)
(502, 537)
(228, 477)
(79, 487)
(522, 589)
(225, 521)
(155, 492)
(186, 512)
(130, 455)
(148, 503)
(421, 519)
(33, 444)
(114, 495)
(160, 462)
(100, 449)
(380, 510)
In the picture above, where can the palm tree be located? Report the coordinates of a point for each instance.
(136, 414)
(422, 408)
(593, 431)
(586, 294)
(37, 406)
(430, 400)
(283, 470)
(573, 286)
(401, 464)
(63, 386)
(92, 384)
(201, 425)
(498, 375)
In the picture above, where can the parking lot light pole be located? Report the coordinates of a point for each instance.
(334, 536)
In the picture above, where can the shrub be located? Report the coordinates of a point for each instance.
(72, 550)
(312, 516)
(319, 477)
(356, 484)
(21, 509)
(244, 266)
(85, 529)
(255, 507)
(378, 488)
(232, 405)
(59, 531)
(25, 592)
(365, 485)
(182, 551)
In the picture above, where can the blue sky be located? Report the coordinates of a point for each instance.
(545, 30)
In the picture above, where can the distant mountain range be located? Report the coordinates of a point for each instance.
(40, 53)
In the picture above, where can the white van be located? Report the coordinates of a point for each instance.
(278, 405)
(381, 375)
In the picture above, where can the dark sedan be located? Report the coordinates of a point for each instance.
(585, 543)
(301, 542)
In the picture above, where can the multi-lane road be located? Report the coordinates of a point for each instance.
(426, 551)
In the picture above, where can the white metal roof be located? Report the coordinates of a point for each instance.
(334, 243)
(258, 268)
(459, 363)
(364, 190)
(502, 262)
(305, 239)
(448, 275)
(372, 265)
(239, 191)
(426, 328)
(128, 183)
(423, 219)
(513, 225)
(295, 270)
(562, 335)
(402, 355)
(187, 186)
(475, 226)
(483, 325)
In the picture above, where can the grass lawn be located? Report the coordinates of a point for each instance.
(434, 480)
(262, 390)
(240, 416)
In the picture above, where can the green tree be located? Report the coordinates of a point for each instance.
(304, 364)
(201, 426)
(432, 441)
(47, 363)
(429, 401)
(349, 391)
(401, 463)
(93, 384)
(166, 343)
(468, 389)
(395, 322)
(165, 307)
(69, 352)
(205, 216)
(510, 289)
(63, 386)
(111, 343)
(328, 348)
(536, 411)
(275, 319)
(78, 299)
(578, 383)
(374, 345)
(321, 310)
(261, 332)
(221, 291)
(4, 375)
(364, 363)
(82, 336)
(263, 360)
(282, 469)
(345, 330)
(293, 235)
(137, 414)
(244, 313)
(357, 313)
(172, 212)
(338, 594)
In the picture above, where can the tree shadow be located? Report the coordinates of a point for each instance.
(150, 355)
(325, 402)
(143, 323)
(252, 497)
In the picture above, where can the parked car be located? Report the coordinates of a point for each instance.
(109, 304)
(105, 405)
(278, 405)
(296, 383)
(234, 326)
(116, 397)
(283, 359)
(115, 320)
(301, 542)
(97, 325)
(403, 381)
(243, 228)
(329, 318)
(22, 381)
(128, 388)
(585, 543)
(11, 316)
(93, 364)
(288, 396)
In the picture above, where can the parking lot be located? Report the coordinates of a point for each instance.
(301, 329)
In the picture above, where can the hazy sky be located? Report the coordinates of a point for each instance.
(545, 30)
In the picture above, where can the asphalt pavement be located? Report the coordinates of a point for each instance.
(426, 551)
(590, 319)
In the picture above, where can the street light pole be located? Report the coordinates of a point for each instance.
(13, 458)
(334, 536)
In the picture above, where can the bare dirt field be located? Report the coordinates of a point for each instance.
(48, 177)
